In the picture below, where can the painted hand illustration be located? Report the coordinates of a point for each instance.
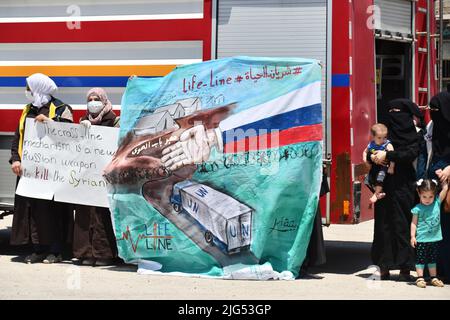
(194, 147)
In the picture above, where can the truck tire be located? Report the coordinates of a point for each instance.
(176, 207)
(209, 237)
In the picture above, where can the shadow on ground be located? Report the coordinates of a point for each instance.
(122, 267)
(18, 254)
(345, 257)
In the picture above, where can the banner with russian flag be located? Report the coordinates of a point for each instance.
(219, 167)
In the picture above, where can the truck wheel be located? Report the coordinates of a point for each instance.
(209, 237)
(176, 207)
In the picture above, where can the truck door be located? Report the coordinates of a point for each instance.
(394, 73)
(393, 43)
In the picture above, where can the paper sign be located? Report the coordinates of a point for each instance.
(65, 161)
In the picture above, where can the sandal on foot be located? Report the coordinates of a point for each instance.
(420, 282)
(52, 258)
(437, 283)
(104, 262)
(88, 262)
(35, 258)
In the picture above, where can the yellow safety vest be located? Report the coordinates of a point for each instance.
(51, 115)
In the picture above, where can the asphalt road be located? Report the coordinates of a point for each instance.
(346, 275)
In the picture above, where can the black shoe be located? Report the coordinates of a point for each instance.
(385, 275)
(51, 258)
(103, 262)
(88, 262)
(35, 258)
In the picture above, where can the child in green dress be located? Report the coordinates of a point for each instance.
(426, 229)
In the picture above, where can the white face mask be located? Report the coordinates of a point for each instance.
(95, 107)
(29, 96)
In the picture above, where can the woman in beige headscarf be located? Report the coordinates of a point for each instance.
(44, 223)
(94, 242)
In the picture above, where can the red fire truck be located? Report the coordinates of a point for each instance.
(372, 51)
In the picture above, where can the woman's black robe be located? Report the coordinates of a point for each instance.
(93, 235)
(391, 247)
(37, 221)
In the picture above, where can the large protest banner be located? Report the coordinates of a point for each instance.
(65, 161)
(219, 168)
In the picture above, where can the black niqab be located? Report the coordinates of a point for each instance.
(402, 131)
(441, 124)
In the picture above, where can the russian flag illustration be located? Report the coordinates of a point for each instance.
(288, 119)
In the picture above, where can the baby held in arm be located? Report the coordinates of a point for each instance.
(377, 172)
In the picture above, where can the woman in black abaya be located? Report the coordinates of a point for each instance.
(391, 249)
(439, 168)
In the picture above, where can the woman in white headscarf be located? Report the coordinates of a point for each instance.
(44, 223)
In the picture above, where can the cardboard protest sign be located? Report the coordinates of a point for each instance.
(66, 161)
(218, 169)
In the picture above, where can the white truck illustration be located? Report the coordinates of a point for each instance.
(225, 221)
